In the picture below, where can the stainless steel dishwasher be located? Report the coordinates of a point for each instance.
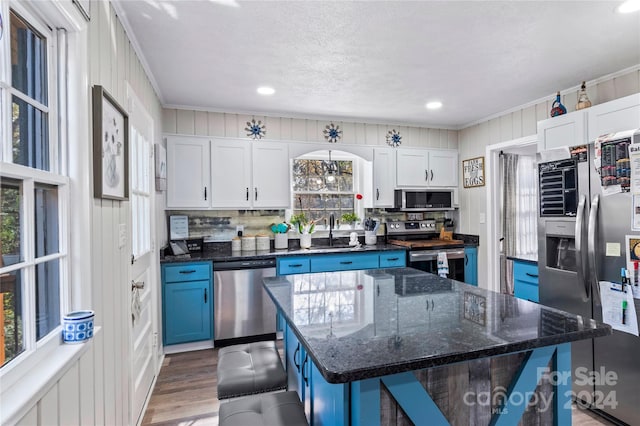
(242, 308)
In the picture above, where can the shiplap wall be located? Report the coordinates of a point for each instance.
(95, 390)
(203, 123)
(520, 123)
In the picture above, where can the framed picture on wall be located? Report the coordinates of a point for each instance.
(473, 172)
(110, 147)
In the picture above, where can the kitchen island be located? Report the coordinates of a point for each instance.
(384, 346)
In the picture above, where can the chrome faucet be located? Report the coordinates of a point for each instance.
(332, 223)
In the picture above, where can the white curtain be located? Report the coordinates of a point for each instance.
(519, 213)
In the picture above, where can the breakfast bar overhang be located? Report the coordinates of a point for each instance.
(370, 347)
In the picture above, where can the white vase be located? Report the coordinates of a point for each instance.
(280, 241)
(305, 240)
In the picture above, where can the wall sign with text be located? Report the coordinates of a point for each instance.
(473, 172)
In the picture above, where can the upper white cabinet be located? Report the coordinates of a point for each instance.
(248, 174)
(615, 116)
(563, 130)
(271, 175)
(188, 178)
(384, 176)
(426, 168)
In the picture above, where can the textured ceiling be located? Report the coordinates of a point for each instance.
(377, 61)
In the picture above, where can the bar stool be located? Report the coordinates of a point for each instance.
(250, 369)
(273, 409)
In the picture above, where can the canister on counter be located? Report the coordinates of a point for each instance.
(236, 244)
(248, 243)
(262, 242)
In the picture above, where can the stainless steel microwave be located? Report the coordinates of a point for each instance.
(423, 200)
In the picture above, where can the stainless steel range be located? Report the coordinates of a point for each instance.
(424, 244)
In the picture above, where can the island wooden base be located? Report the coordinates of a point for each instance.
(511, 389)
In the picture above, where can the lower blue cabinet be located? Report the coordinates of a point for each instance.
(471, 265)
(525, 280)
(187, 302)
(324, 403)
(340, 262)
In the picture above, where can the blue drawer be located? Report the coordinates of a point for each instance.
(187, 272)
(293, 265)
(526, 291)
(393, 259)
(525, 272)
(344, 262)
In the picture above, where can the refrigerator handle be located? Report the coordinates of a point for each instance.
(580, 254)
(591, 245)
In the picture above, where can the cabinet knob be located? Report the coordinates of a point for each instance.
(255, 190)
(205, 193)
(426, 175)
(431, 174)
(247, 193)
(377, 193)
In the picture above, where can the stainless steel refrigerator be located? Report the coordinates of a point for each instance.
(581, 213)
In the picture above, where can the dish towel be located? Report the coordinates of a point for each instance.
(443, 265)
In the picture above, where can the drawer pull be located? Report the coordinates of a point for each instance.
(531, 275)
(295, 357)
(393, 259)
(188, 271)
(205, 295)
(346, 262)
(296, 265)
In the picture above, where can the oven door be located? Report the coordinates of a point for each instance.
(427, 260)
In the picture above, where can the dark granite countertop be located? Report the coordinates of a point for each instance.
(533, 259)
(224, 253)
(362, 324)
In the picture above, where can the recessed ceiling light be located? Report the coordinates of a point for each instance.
(629, 6)
(434, 105)
(266, 90)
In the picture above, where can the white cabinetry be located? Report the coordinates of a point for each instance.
(384, 176)
(188, 178)
(615, 116)
(248, 174)
(271, 175)
(563, 130)
(426, 168)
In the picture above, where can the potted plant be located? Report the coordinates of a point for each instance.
(350, 218)
(305, 228)
(280, 235)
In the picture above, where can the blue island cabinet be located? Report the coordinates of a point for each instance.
(187, 305)
(525, 280)
(324, 403)
(471, 265)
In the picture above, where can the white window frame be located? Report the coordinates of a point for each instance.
(336, 155)
(34, 351)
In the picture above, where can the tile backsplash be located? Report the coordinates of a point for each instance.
(220, 225)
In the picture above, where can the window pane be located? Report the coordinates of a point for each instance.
(46, 220)
(11, 298)
(28, 60)
(47, 297)
(11, 221)
(30, 135)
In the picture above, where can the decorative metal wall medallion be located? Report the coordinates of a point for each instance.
(394, 138)
(332, 133)
(256, 130)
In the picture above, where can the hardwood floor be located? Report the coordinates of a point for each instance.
(185, 393)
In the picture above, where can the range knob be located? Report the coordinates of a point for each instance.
(423, 225)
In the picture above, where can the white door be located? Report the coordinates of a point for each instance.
(412, 167)
(443, 168)
(188, 177)
(384, 177)
(142, 320)
(231, 173)
(271, 187)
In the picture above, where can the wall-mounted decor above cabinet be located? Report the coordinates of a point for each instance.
(424, 168)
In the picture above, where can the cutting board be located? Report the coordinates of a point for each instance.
(427, 243)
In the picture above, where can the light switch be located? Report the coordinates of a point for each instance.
(122, 235)
(482, 217)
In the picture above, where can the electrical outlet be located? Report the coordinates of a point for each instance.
(239, 228)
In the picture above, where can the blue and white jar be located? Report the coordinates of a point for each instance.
(77, 326)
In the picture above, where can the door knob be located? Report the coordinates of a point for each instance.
(139, 285)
